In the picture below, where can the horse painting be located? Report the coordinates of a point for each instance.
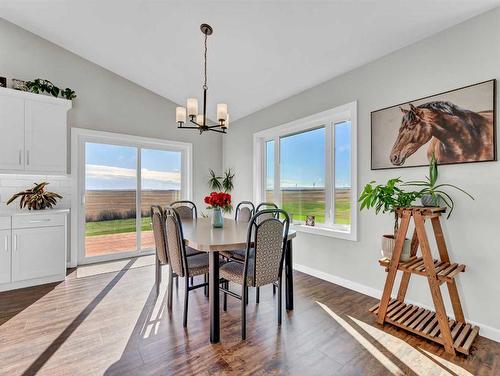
(454, 135)
(456, 126)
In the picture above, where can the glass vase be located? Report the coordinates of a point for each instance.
(217, 218)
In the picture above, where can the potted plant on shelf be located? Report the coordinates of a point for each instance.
(36, 198)
(431, 193)
(387, 198)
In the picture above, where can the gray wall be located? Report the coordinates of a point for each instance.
(465, 54)
(106, 101)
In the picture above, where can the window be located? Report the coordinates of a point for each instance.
(308, 168)
(119, 177)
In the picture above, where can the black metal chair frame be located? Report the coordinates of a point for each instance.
(266, 206)
(171, 211)
(190, 203)
(253, 228)
(247, 203)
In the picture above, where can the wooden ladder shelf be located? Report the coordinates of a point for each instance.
(454, 335)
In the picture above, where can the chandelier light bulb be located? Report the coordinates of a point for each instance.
(180, 114)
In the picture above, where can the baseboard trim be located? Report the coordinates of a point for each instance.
(486, 330)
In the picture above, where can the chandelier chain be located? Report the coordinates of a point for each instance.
(205, 87)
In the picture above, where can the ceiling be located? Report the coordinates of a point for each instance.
(260, 53)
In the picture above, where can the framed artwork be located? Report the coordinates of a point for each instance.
(310, 220)
(457, 126)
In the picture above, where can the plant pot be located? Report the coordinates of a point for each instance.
(431, 200)
(217, 218)
(388, 243)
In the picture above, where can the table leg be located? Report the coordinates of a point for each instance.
(213, 259)
(289, 276)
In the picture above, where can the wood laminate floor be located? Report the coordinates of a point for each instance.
(114, 324)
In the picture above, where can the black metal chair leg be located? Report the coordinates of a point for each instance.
(186, 300)
(244, 313)
(205, 289)
(246, 294)
(280, 304)
(192, 281)
(274, 289)
(226, 286)
(177, 282)
(157, 275)
(257, 295)
(170, 287)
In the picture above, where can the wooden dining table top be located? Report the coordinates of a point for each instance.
(199, 234)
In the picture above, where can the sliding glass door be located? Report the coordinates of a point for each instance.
(119, 180)
(110, 199)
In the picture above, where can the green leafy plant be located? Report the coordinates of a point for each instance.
(221, 183)
(39, 86)
(431, 188)
(387, 198)
(227, 180)
(36, 198)
(214, 181)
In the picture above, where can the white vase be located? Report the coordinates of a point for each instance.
(388, 243)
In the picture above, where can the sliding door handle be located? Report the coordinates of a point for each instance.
(28, 157)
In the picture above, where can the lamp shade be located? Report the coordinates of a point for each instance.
(221, 111)
(199, 119)
(192, 106)
(180, 114)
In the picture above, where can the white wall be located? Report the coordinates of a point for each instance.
(106, 101)
(465, 54)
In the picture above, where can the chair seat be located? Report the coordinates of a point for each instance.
(238, 254)
(233, 272)
(198, 264)
(191, 251)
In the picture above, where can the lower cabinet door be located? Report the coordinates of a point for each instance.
(38, 252)
(5, 256)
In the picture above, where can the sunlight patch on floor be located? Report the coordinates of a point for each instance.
(412, 357)
(384, 360)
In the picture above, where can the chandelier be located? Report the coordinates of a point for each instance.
(200, 120)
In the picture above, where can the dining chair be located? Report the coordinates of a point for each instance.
(161, 253)
(260, 207)
(243, 213)
(180, 263)
(269, 238)
(185, 208)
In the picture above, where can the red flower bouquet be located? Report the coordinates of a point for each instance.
(219, 200)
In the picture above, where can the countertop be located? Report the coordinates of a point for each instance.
(11, 212)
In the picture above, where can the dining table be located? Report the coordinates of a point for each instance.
(200, 235)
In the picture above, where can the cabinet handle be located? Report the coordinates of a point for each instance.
(28, 157)
(20, 157)
(14, 246)
(40, 220)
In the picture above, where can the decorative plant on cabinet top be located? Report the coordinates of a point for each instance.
(36, 198)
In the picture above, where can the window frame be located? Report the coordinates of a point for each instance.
(327, 119)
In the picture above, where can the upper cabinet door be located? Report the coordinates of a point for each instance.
(46, 137)
(11, 133)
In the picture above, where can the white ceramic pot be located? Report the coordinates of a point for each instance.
(388, 243)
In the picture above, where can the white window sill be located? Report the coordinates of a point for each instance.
(332, 232)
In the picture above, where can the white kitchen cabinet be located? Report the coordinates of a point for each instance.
(5, 256)
(12, 133)
(34, 129)
(33, 248)
(45, 137)
(38, 252)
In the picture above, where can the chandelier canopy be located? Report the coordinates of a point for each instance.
(200, 120)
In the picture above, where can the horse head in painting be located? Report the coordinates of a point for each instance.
(454, 134)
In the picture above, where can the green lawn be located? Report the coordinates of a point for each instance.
(116, 226)
(342, 211)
